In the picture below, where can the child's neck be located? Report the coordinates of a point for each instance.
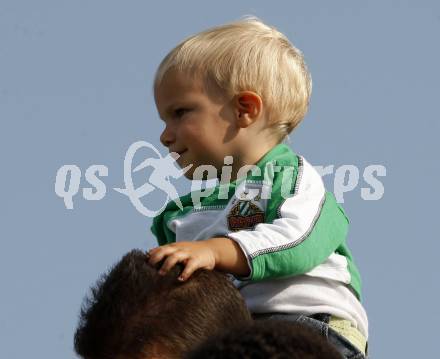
(249, 158)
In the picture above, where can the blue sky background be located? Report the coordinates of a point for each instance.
(75, 88)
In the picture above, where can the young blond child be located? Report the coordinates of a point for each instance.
(229, 96)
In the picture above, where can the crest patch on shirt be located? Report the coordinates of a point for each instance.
(244, 215)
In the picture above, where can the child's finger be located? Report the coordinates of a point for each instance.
(191, 266)
(159, 253)
(171, 261)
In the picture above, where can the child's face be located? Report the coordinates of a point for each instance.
(201, 128)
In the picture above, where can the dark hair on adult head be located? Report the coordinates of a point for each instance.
(132, 310)
(266, 339)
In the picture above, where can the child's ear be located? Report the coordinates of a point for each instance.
(248, 106)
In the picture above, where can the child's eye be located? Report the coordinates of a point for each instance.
(180, 111)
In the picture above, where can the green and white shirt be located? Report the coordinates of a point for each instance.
(292, 231)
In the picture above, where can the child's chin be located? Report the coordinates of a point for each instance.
(194, 176)
(189, 175)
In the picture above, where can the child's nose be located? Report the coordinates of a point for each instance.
(167, 137)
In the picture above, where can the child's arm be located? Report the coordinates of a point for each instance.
(220, 253)
(301, 229)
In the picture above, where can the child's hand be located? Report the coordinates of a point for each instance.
(194, 255)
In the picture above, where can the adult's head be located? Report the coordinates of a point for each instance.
(134, 313)
(266, 339)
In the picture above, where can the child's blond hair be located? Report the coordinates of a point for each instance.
(248, 55)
